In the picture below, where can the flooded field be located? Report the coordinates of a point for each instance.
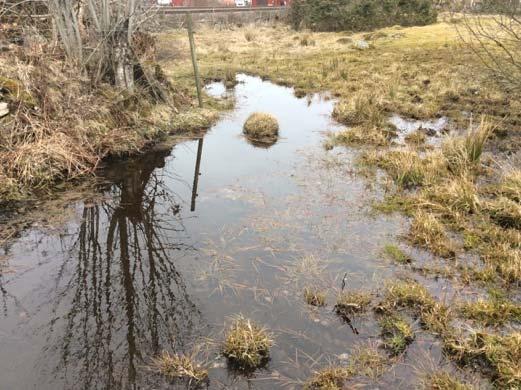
(164, 257)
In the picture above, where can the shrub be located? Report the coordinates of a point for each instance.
(358, 15)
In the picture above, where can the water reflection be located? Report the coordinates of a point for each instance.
(125, 298)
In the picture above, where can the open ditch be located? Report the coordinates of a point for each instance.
(164, 257)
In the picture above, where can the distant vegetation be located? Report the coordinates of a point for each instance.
(360, 15)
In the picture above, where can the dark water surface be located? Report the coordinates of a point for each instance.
(135, 271)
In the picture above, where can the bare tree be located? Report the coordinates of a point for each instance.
(495, 36)
(97, 36)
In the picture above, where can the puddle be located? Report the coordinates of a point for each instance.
(407, 126)
(182, 239)
(216, 89)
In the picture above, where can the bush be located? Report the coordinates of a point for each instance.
(360, 15)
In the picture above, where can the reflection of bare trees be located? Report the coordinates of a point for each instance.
(124, 299)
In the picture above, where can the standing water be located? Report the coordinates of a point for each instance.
(147, 266)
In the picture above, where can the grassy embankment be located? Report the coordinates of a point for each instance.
(60, 127)
(463, 198)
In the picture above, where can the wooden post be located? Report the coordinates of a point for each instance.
(189, 25)
(196, 175)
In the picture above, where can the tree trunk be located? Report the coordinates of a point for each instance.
(123, 61)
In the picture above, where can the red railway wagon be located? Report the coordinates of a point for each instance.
(207, 3)
(269, 3)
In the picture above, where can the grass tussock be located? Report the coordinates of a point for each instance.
(261, 127)
(365, 360)
(193, 120)
(428, 232)
(455, 196)
(349, 303)
(464, 153)
(368, 361)
(397, 255)
(314, 296)
(360, 135)
(416, 138)
(397, 334)
(498, 356)
(504, 212)
(406, 167)
(180, 367)
(442, 380)
(510, 185)
(364, 108)
(410, 295)
(494, 311)
(329, 378)
(247, 345)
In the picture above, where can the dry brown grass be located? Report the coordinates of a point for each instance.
(495, 311)
(442, 380)
(60, 128)
(500, 356)
(261, 127)
(329, 378)
(428, 232)
(464, 153)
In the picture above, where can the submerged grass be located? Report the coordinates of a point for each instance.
(180, 367)
(329, 378)
(365, 360)
(349, 303)
(397, 333)
(394, 253)
(314, 296)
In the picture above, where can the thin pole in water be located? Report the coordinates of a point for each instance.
(189, 25)
(196, 175)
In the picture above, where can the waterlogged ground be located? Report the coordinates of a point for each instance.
(145, 266)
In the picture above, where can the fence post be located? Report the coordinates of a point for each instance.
(189, 25)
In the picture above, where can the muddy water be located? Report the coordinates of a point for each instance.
(153, 264)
